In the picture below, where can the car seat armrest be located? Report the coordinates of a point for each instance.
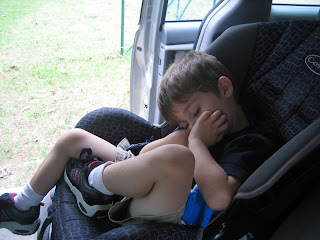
(281, 161)
(114, 124)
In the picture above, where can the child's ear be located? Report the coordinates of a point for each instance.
(225, 86)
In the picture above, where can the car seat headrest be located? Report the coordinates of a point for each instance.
(276, 68)
(234, 49)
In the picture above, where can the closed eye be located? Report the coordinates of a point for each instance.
(196, 112)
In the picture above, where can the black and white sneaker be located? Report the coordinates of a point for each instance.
(16, 221)
(91, 202)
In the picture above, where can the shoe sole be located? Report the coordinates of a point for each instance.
(98, 211)
(21, 229)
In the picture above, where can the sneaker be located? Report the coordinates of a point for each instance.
(16, 221)
(91, 202)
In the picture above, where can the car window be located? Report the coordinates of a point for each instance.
(188, 10)
(296, 2)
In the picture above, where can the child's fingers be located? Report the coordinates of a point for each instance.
(221, 124)
(218, 118)
(209, 115)
(223, 120)
(205, 115)
(223, 127)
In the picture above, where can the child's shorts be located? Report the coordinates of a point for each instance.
(119, 214)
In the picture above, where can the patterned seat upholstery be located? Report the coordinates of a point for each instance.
(276, 67)
(281, 79)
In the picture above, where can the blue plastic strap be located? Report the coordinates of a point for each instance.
(197, 212)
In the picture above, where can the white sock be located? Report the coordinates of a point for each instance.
(96, 181)
(27, 198)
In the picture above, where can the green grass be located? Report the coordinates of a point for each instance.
(57, 63)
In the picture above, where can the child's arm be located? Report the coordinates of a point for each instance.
(176, 137)
(215, 185)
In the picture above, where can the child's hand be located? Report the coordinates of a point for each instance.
(209, 128)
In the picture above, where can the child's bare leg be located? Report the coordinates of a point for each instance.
(20, 213)
(68, 146)
(159, 180)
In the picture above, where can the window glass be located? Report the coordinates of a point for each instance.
(186, 10)
(297, 2)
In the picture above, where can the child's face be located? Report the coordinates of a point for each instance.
(187, 113)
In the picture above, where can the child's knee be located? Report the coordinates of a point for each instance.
(70, 138)
(179, 158)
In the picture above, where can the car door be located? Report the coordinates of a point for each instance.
(167, 29)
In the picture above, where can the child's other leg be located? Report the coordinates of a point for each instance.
(20, 213)
(68, 146)
(159, 180)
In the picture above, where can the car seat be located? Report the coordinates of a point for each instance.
(275, 68)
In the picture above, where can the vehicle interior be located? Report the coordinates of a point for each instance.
(273, 53)
(172, 38)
